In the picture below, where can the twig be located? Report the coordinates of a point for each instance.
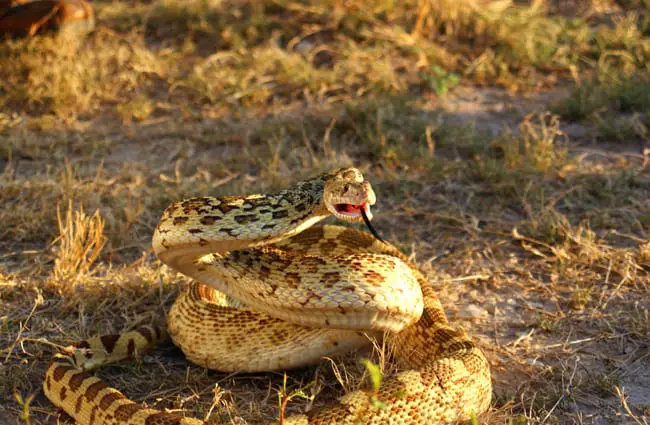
(460, 279)
(10, 349)
(566, 390)
(620, 392)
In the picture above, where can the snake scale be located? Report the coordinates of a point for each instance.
(273, 292)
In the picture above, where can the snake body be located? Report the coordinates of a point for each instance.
(276, 293)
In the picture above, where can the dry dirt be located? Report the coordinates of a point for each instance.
(565, 324)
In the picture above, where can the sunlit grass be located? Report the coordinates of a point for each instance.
(535, 240)
(256, 54)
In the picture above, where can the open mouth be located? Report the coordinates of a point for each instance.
(351, 210)
(361, 210)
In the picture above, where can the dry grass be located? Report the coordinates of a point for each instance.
(80, 241)
(194, 56)
(532, 225)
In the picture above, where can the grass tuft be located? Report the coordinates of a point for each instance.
(79, 244)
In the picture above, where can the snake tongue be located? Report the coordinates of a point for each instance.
(364, 213)
(363, 210)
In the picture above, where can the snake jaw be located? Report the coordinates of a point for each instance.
(353, 210)
(347, 196)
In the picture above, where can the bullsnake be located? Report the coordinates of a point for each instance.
(282, 294)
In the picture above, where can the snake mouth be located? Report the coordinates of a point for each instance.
(352, 210)
(355, 211)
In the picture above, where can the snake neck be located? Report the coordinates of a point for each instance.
(195, 227)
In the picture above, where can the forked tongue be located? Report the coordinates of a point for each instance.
(372, 229)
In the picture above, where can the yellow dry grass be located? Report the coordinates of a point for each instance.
(508, 145)
(80, 241)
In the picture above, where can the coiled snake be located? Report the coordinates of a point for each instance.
(282, 294)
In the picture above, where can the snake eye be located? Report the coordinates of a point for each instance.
(346, 188)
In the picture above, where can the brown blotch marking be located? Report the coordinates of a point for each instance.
(94, 389)
(292, 279)
(312, 296)
(146, 333)
(330, 278)
(209, 219)
(356, 238)
(280, 214)
(283, 262)
(126, 411)
(265, 272)
(314, 233)
(203, 242)
(93, 412)
(269, 226)
(163, 242)
(281, 200)
(249, 261)
(63, 394)
(356, 264)
(109, 399)
(77, 405)
(280, 336)
(442, 335)
(428, 320)
(131, 348)
(312, 263)
(327, 247)
(163, 419)
(228, 230)
(373, 276)
(301, 218)
(60, 371)
(195, 231)
(180, 220)
(226, 208)
(300, 207)
(246, 218)
(82, 344)
(77, 379)
(109, 341)
(460, 346)
(48, 383)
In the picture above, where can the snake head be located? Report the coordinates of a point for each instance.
(347, 195)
